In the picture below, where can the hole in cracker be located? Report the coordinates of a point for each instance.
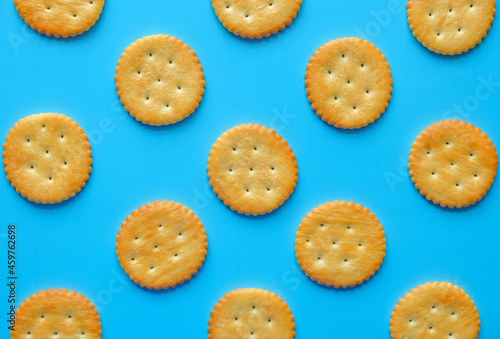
(452, 313)
(234, 149)
(251, 169)
(430, 14)
(474, 174)
(50, 178)
(48, 8)
(147, 98)
(132, 259)
(268, 189)
(367, 91)
(31, 166)
(321, 224)
(353, 107)
(170, 61)
(433, 173)
(152, 267)
(247, 189)
(348, 227)
(236, 318)
(459, 29)
(471, 155)
(138, 72)
(69, 316)
(159, 80)
(230, 170)
(42, 316)
(410, 320)
(333, 242)
(179, 87)
(156, 246)
(255, 148)
(451, 164)
(136, 238)
(343, 55)
(160, 226)
(345, 260)
(47, 151)
(246, 16)
(471, 5)
(450, 10)
(253, 306)
(175, 255)
(150, 54)
(348, 81)
(438, 34)
(180, 234)
(362, 65)
(74, 15)
(457, 185)
(360, 245)
(251, 333)
(307, 240)
(272, 168)
(319, 258)
(335, 98)
(28, 140)
(428, 152)
(269, 320)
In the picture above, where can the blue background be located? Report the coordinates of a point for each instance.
(72, 244)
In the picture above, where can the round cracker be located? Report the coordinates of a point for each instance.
(252, 169)
(161, 244)
(453, 163)
(340, 244)
(56, 314)
(435, 310)
(159, 80)
(60, 18)
(249, 313)
(348, 82)
(450, 27)
(256, 18)
(47, 157)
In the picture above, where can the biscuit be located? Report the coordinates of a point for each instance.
(435, 310)
(159, 80)
(60, 18)
(340, 244)
(256, 19)
(47, 157)
(252, 169)
(161, 244)
(348, 82)
(249, 313)
(56, 314)
(453, 163)
(450, 27)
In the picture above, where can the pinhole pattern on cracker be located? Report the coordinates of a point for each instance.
(340, 244)
(256, 18)
(348, 82)
(56, 313)
(435, 310)
(252, 169)
(60, 18)
(251, 313)
(159, 80)
(453, 163)
(47, 157)
(161, 244)
(450, 27)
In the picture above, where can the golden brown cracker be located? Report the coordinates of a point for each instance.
(47, 157)
(161, 244)
(252, 169)
(56, 313)
(60, 18)
(450, 26)
(159, 80)
(348, 82)
(256, 18)
(251, 313)
(340, 244)
(453, 163)
(435, 310)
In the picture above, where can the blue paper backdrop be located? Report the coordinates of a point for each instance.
(72, 244)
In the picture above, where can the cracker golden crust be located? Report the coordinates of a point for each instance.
(252, 169)
(60, 18)
(340, 244)
(450, 26)
(348, 82)
(57, 313)
(435, 310)
(246, 313)
(161, 244)
(256, 18)
(159, 80)
(453, 163)
(47, 157)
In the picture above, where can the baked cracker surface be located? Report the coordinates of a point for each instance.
(47, 157)
(450, 26)
(453, 163)
(56, 313)
(161, 244)
(252, 169)
(159, 80)
(348, 82)
(248, 313)
(435, 310)
(256, 18)
(60, 18)
(340, 244)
